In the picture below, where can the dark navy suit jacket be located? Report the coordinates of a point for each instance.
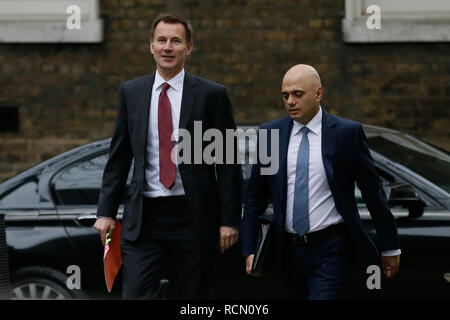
(346, 159)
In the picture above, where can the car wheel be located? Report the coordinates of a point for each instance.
(41, 283)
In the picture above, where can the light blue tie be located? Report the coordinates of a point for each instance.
(301, 194)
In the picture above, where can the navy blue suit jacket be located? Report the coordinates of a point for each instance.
(346, 159)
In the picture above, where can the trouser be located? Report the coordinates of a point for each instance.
(317, 267)
(167, 239)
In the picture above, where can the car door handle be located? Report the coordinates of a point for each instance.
(447, 276)
(87, 220)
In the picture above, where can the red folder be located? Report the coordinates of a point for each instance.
(112, 258)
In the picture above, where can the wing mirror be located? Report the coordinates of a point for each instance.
(405, 196)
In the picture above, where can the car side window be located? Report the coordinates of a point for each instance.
(26, 195)
(79, 184)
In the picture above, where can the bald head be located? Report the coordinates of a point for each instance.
(305, 73)
(302, 91)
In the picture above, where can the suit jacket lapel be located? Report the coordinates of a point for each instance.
(285, 134)
(143, 109)
(187, 101)
(328, 147)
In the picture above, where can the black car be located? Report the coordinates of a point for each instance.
(54, 251)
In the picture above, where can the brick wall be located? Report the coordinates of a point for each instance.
(67, 92)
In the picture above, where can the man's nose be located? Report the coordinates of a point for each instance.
(290, 100)
(167, 45)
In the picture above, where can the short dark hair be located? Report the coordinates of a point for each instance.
(171, 18)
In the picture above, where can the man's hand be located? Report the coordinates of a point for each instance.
(228, 237)
(103, 226)
(248, 266)
(390, 265)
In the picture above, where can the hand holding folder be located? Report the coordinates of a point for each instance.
(263, 245)
(112, 258)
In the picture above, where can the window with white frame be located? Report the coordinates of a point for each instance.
(399, 21)
(50, 21)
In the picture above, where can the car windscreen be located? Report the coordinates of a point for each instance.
(433, 165)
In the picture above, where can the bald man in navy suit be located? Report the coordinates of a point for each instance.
(316, 224)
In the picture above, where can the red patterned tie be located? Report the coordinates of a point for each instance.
(166, 165)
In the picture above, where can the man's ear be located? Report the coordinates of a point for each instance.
(189, 48)
(152, 51)
(319, 93)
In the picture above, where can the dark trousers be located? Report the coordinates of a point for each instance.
(168, 240)
(317, 268)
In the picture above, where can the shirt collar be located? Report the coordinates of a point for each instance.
(175, 83)
(315, 125)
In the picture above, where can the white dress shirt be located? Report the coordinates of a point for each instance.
(153, 187)
(322, 209)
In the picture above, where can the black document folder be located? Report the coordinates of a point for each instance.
(263, 244)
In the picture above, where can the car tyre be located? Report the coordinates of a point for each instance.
(41, 283)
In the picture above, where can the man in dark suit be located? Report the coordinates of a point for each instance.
(188, 210)
(316, 221)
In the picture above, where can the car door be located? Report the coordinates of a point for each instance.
(76, 189)
(424, 241)
(38, 247)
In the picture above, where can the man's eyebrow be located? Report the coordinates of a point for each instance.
(293, 91)
(171, 38)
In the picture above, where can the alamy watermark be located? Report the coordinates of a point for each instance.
(74, 280)
(73, 22)
(374, 280)
(374, 20)
(222, 146)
